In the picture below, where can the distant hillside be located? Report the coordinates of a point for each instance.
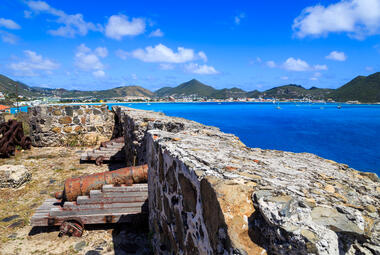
(296, 91)
(362, 88)
(365, 89)
(197, 88)
(8, 86)
(109, 93)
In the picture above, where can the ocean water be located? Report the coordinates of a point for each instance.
(349, 135)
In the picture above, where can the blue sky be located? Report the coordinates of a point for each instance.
(248, 44)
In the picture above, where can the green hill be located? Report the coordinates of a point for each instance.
(197, 88)
(364, 89)
(8, 87)
(296, 91)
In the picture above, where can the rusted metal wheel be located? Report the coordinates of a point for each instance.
(99, 161)
(8, 149)
(26, 142)
(71, 228)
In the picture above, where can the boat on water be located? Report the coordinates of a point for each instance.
(339, 107)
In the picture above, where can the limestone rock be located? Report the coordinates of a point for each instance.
(13, 176)
(242, 200)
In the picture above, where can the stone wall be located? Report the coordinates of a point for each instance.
(72, 125)
(210, 194)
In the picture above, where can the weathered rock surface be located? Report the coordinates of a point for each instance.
(210, 194)
(13, 176)
(73, 125)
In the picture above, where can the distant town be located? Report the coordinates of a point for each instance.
(359, 90)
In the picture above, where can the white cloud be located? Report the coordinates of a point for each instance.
(27, 14)
(122, 54)
(101, 52)
(315, 76)
(164, 66)
(259, 60)
(369, 68)
(134, 76)
(8, 23)
(284, 78)
(88, 60)
(293, 64)
(337, 55)
(99, 73)
(320, 67)
(32, 63)
(156, 33)
(119, 26)
(238, 18)
(271, 64)
(358, 18)
(203, 56)
(161, 53)
(72, 24)
(200, 69)
(8, 37)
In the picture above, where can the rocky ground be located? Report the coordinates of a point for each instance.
(49, 168)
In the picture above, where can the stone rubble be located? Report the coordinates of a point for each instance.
(13, 176)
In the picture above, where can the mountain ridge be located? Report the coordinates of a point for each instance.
(361, 88)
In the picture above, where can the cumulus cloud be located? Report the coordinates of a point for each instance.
(89, 60)
(122, 54)
(99, 73)
(284, 78)
(200, 69)
(315, 76)
(203, 56)
(101, 52)
(119, 26)
(298, 65)
(337, 55)
(72, 25)
(271, 64)
(320, 67)
(358, 18)
(156, 33)
(238, 18)
(8, 23)
(8, 37)
(164, 66)
(369, 68)
(32, 64)
(161, 53)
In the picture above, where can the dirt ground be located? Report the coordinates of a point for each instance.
(50, 167)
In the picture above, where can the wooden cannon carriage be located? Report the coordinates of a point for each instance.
(112, 150)
(108, 197)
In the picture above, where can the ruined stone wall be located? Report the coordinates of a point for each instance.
(71, 125)
(210, 194)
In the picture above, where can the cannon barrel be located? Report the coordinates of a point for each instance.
(81, 186)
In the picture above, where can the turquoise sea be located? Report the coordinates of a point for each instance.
(349, 135)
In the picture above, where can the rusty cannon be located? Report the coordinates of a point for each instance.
(109, 197)
(81, 186)
(12, 135)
